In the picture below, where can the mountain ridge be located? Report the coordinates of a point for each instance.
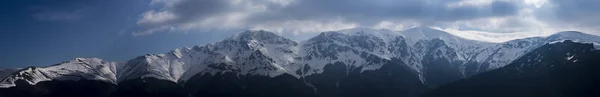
(559, 69)
(273, 55)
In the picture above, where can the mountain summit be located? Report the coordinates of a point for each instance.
(334, 63)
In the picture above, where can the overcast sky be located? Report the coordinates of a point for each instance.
(44, 32)
(513, 18)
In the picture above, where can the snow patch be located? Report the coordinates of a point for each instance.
(76, 69)
(570, 57)
(287, 56)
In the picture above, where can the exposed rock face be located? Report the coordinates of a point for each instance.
(349, 63)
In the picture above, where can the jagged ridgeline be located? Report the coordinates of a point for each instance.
(561, 69)
(356, 62)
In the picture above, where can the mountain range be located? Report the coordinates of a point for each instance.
(358, 62)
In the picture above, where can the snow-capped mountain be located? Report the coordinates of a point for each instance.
(557, 69)
(79, 68)
(504, 53)
(7, 72)
(436, 56)
(248, 53)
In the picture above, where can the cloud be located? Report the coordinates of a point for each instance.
(541, 18)
(583, 14)
(303, 26)
(370, 12)
(576, 10)
(190, 14)
(296, 15)
(487, 36)
(152, 17)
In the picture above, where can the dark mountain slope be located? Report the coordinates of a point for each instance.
(562, 69)
(68, 88)
(394, 79)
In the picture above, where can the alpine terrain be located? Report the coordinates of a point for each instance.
(359, 62)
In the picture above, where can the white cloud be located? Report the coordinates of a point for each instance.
(535, 3)
(528, 22)
(304, 26)
(395, 25)
(470, 3)
(152, 31)
(153, 17)
(490, 36)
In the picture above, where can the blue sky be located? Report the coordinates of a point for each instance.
(45, 32)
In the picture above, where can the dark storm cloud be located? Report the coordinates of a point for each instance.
(373, 11)
(362, 12)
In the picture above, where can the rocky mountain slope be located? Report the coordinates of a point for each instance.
(258, 63)
(559, 69)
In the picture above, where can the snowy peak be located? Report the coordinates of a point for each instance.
(575, 36)
(76, 69)
(251, 40)
(247, 53)
(268, 54)
(552, 66)
(357, 37)
(261, 36)
(351, 40)
(384, 34)
(425, 33)
(503, 53)
(170, 66)
(6, 72)
(381, 33)
(328, 37)
(568, 33)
